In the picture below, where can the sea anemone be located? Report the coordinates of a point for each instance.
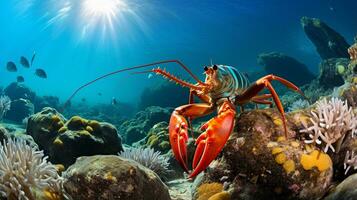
(350, 161)
(5, 104)
(148, 158)
(24, 171)
(330, 123)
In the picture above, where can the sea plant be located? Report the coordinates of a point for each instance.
(5, 104)
(24, 171)
(148, 158)
(331, 121)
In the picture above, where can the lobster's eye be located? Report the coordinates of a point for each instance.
(215, 67)
(205, 68)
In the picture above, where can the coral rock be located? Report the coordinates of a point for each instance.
(285, 66)
(112, 177)
(328, 43)
(20, 109)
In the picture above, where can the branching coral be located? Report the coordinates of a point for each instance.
(330, 122)
(24, 171)
(148, 158)
(350, 161)
(5, 104)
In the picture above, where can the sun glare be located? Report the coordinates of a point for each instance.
(102, 13)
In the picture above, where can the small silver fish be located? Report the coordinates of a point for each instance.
(41, 73)
(11, 67)
(33, 57)
(24, 62)
(149, 76)
(114, 101)
(20, 79)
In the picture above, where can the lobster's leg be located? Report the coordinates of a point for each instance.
(262, 83)
(178, 128)
(212, 140)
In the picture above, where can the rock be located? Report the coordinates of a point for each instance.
(333, 71)
(11, 131)
(19, 110)
(260, 163)
(157, 96)
(328, 43)
(112, 177)
(344, 191)
(19, 91)
(285, 66)
(64, 141)
(46, 101)
(137, 128)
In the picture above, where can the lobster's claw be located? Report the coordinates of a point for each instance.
(211, 142)
(178, 138)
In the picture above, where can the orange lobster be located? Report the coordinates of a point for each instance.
(224, 89)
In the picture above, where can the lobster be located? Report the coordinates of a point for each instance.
(224, 88)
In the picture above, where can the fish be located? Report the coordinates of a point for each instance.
(83, 99)
(33, 57)
(41, 73)
(20, 79)
(99, 94)
(114, 101)
(24, 62)
(11, 67)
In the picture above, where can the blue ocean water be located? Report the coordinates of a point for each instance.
(75, 43)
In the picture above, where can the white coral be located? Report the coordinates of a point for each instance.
(330, 122)
(350, 161)
(5, 104)
(148, 158)
(24, 169)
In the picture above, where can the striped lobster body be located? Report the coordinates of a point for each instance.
(232, 83)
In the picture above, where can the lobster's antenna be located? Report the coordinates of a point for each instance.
(131, 68)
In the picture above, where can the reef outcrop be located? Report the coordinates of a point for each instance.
(285, 66)
(137, 128)
(258, 162)
(20, 109)
(112, 177)
(328, 43)
(65, 140)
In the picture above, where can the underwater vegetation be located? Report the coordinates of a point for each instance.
(26, 173)
(5, 105)
(148, 158)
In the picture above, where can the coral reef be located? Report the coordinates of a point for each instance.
(20, 110)
(330, 122)
(73, 138)
(148, 158)
(328, 43)
(112, 177)
(137, 128)
(19, 91)
(211, 191)
(332, 72)
(5, 105)
(346, 190)
(46, 101)
(285, 66)
(258, 163)
(353, 50)
(299, 105)
(24, 170)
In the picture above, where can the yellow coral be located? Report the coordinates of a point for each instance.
(60, 168)
(153, 141)
(89, 129)
(94, 124)
(278, 121)
(295, 144)
(58, 142)
(84, 133)
(316, 159)
(221, 196)
(62, 129)
(280, 158)
(272, 144)
(207, 190)
(55, 118)
(164, 145)
(289, 166)
(76, 122)
(281, 138)
(276, 150)
(340, 69)
(51, 195)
